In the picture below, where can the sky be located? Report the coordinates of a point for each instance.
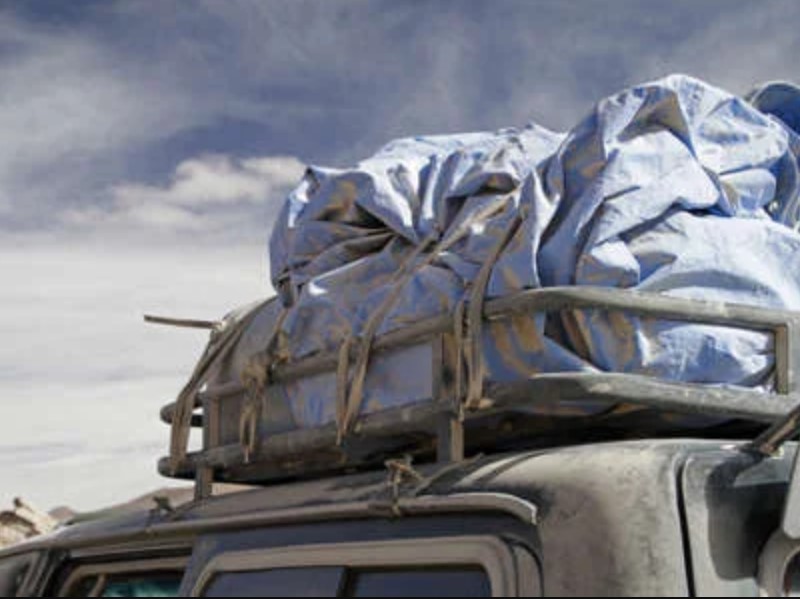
(146, 149)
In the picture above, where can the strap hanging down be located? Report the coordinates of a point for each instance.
(256, 377)
(475, 365)
(185, 402)
(350, 398)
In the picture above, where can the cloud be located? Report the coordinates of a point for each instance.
(120, 92)
(82, 375)
(736, 48)
(205, 193)
(35, 453)
(217, 180)
(70, 116)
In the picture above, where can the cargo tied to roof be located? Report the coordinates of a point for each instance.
(675, 189)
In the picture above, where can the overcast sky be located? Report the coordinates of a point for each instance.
(145, 149)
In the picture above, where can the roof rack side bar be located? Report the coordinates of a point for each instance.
(787, 373)
(783, 355)
(219, 392)
(787, 358)
(204, 473)
(414, 418)
(559, 298)
(791, 350)
(684, 398)
(640, 303)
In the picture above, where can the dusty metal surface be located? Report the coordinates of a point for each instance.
(310, 450)
(609, 512)
(733, 504)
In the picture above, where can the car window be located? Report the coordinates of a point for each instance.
(455, 581)
(156, 584)
(278, 582)
(332, 581)
(462, 566)
(145, 578)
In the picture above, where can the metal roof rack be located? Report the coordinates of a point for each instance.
(442, 422)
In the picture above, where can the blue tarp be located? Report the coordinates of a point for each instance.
(674, 187)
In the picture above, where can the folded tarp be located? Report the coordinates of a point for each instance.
(674, 187)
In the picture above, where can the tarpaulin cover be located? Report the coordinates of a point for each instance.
(674, 187)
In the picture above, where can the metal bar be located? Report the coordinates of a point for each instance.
(551, 388)
(787, 369)
(204, 475)
(449, 438)
(168, 415)
(466, 502)
(182, 322)
(203, 482)
(640, 303)
(559, 298)
(790, 520)
(783, 369)
(219, 392)
(793, 354)
(768, 442)
(548, 300)
(212, 412)
(787, 366)
(415, 418)
(640, 390)
(450, 428)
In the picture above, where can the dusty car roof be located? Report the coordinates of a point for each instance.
(533, 476)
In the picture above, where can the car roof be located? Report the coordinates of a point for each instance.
(522, 475)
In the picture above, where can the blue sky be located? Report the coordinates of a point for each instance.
(146, 148)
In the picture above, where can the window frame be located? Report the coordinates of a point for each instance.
(15, 571)
(103, 571)
(500, 560)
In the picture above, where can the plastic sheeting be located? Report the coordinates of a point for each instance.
(674, 187)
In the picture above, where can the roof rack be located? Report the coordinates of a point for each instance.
(442, 424)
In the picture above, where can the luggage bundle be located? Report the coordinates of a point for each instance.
(511, 280)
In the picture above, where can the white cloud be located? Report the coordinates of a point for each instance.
(216, 179)
(82, 377)
(205, 193)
